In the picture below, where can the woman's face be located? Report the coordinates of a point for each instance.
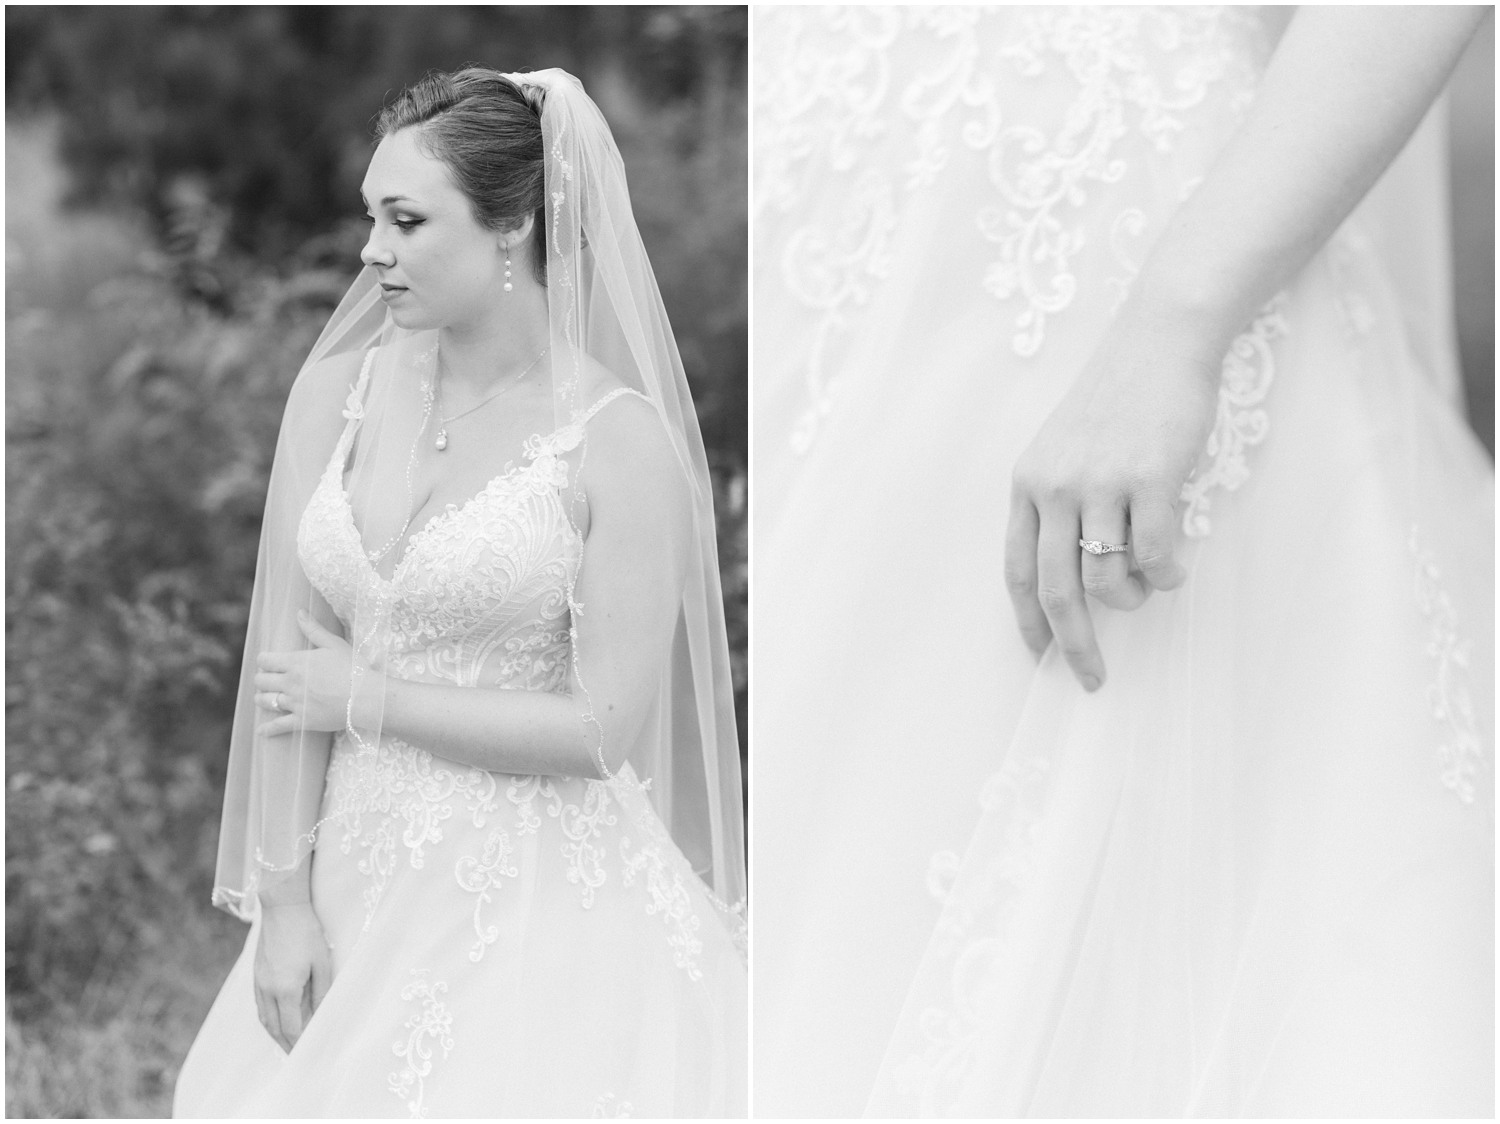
(438, 268)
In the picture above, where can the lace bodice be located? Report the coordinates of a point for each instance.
(480, 595)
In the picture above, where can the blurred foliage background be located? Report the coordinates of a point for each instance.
(182, 215)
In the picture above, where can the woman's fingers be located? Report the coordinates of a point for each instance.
(322, 979)
(320, 636)
(286, 724)
(1059, 591)
(289, 1013)
(1020, 574)
(1153, 529)
(1108, 577)
(274, 661)
(268, 1007)
(263, 1012)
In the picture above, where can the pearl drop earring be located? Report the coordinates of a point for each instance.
(507, 269)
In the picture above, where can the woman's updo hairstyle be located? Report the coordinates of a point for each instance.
(489, 133)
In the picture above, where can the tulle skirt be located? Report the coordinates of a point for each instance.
(1252, 875)
(502, 947)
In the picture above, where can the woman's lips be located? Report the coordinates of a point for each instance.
(389, 292)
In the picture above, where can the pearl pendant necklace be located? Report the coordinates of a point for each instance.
(441, 441)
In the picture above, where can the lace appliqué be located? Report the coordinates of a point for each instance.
(1346, 251)
(482, 874)
(609, 1106)
(1111, 54)
(823, 105)
(582, 824)
(972, 932)
(1461, 752)
(398, 784)
(828, 270)
(1241, 421)
(669, 897)
(824, 102)
(430, 1027)
(482, 597)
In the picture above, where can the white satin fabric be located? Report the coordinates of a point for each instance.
(1253, 875)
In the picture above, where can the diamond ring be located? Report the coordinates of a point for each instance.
(1094, 546)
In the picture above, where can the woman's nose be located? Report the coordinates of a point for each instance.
(374, 253)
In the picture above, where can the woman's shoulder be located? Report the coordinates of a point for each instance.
(329, 379)
(624, 426)
(321, 396)
(609, 402)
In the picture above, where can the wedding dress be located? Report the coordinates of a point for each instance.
(1252, 875)
(503, 946)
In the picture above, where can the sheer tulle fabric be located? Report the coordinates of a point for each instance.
(605, 315)
(504, 944)
(1253, 874)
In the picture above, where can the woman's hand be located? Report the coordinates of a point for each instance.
(309, 690)
(293, 970)
(1108, 464)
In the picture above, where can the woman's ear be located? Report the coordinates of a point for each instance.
(519, 234)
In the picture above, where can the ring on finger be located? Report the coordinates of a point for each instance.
(1095, 547)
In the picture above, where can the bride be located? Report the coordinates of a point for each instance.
(483, 806)
(1127, 750)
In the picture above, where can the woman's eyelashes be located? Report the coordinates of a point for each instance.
(406, 225)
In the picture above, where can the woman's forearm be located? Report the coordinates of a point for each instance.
(524, 732)
(1344, 91)
(305, 756)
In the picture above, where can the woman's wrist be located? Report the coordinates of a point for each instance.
(369, 698)
(279, 889)
(1187, 312)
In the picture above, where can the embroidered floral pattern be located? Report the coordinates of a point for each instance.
(833, 109)
(431, 1027)
(973, 931)
(1346, 249)
(1241, 421)
(480, 598)
(831, 269)
(582, 825)
(608, 1105)
(1461, 751)
(669, 898)
(482, 874)
(1151, 65)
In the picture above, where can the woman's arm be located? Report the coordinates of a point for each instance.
(629, 586)
(296, 765)
(293, 967)
(1344, 91)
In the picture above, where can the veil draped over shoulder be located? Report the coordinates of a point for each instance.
(605, 313)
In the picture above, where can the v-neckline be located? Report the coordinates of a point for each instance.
(431, 521)
(535, 447)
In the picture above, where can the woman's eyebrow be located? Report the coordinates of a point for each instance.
(388, 200)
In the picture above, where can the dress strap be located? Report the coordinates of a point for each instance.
(354, 405)
(607, 399)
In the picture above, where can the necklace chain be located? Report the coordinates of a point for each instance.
(441, 442)
(429, 404)
(429, 398)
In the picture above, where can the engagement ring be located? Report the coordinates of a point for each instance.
(1094, 546)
